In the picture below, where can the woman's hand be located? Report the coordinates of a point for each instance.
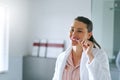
(87, 48)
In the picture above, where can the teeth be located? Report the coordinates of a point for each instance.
(75, 39)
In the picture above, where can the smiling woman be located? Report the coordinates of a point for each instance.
(3, 38)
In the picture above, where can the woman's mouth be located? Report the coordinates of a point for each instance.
(74, 39)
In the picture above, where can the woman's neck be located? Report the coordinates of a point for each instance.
(76, 55)
(77, 50)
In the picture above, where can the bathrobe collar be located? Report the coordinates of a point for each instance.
(63, 62)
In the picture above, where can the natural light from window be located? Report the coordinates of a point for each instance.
(3, 38)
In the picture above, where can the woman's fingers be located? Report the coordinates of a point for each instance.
(86, 43)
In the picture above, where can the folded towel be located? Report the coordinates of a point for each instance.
(36, 44)
(43, 48)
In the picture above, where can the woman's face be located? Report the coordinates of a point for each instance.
(79, 32)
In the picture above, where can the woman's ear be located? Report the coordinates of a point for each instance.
(89, 35)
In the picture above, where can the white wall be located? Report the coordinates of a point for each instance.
(103, 24)
(108, 27)
(18, 27)
(51, 19)
(97, 13)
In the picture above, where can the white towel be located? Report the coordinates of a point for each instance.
(42, 48)
(35, 48)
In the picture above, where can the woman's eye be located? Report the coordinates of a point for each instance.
(72, 30)
(79, 31)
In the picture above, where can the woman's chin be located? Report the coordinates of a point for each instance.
(74, 44)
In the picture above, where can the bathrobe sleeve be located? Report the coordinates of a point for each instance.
(55, 76)
(58, 67)
(98, 69)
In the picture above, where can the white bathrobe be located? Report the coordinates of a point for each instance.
(98, 69)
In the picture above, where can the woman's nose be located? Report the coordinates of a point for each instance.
(74, 33)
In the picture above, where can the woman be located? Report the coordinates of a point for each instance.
(84, 59)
